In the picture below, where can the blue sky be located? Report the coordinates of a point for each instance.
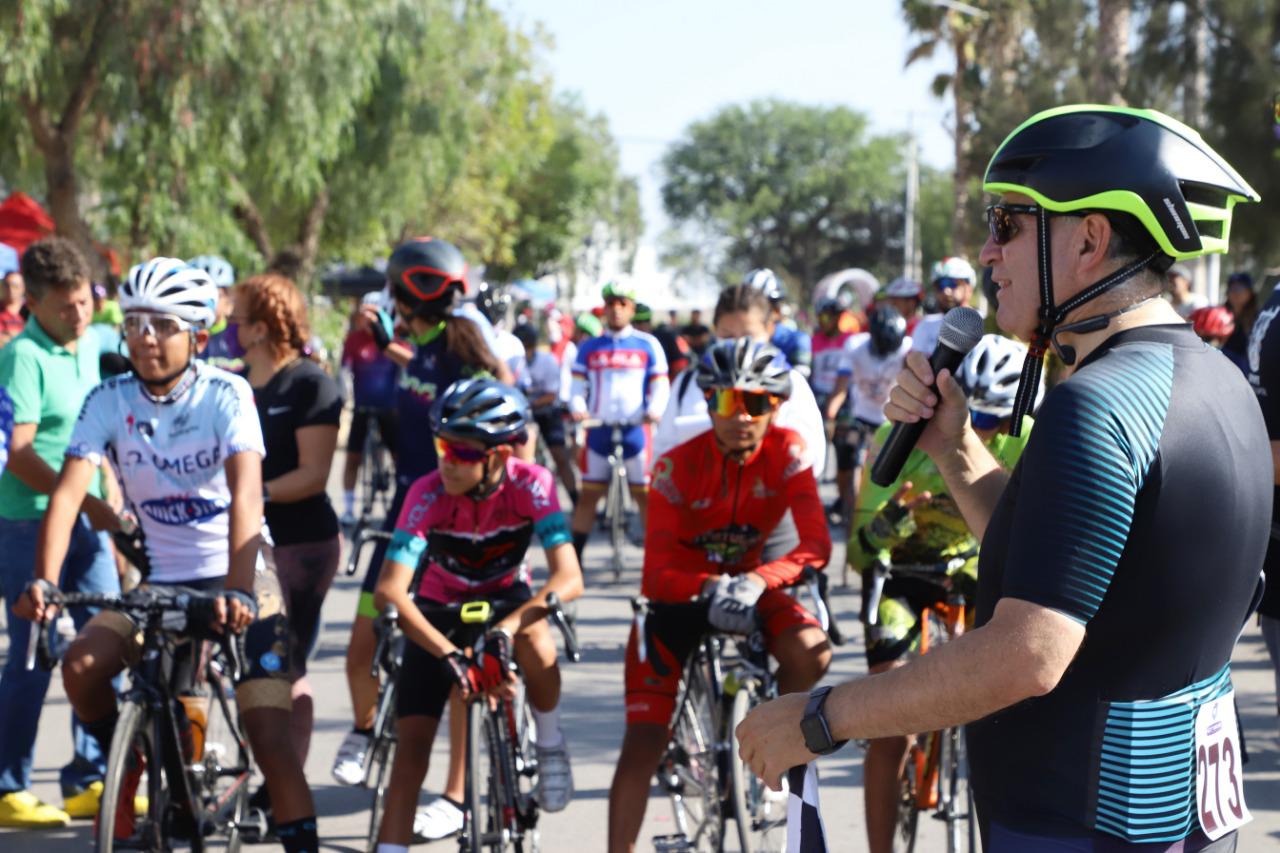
(655, 66)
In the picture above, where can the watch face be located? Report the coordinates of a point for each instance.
(816, 738)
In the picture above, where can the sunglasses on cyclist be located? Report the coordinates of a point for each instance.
(158, 326)
(984, 420)
(728, 402)
(452, 451)
(409, 278)
(1001, 221)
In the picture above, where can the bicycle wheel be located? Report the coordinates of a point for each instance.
(693, 767)
(760, 814)
(958, 803)
(382, 756)
(904, 834)
(488, 816)
(618, 519)
(134, 740)
(225, 771)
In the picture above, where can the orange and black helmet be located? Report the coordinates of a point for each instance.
(427, 274)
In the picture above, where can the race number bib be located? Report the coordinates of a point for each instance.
(1219, 774)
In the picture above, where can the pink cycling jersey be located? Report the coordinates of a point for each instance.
(477, 547)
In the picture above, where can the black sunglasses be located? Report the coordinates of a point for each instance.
(1001, 221)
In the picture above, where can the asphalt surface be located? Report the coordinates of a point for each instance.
(593, 720)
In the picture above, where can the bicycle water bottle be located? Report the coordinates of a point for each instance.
(186, 736)
(64, 632)
(196, 710)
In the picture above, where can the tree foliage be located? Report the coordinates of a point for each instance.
(802, 189)
(285, 132)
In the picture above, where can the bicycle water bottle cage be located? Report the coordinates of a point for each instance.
(475, 612)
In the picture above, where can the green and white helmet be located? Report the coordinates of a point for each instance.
(1089, 157)
(617, 289)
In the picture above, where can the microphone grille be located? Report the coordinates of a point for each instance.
(961, 329)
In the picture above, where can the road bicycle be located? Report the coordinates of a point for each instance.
(619, 509)
(724, 678)
(935, 777)
(196, 778)
(387, 659)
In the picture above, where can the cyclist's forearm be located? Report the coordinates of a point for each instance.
(244, 479)
(399, 352)
(301, 483)
(393, 588)
(54, 536)
(974, 480)
(565, 581)
(1021, 653)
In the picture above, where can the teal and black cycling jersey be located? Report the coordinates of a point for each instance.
(1140, 508)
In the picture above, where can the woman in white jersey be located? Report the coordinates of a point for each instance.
(186, 446)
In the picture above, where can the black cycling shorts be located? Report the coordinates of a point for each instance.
(425, 680)
(551, 424)
(388, 425)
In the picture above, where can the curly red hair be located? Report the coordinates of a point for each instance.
(276, 302)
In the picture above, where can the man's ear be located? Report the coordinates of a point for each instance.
(202, 340)
(1094, 237)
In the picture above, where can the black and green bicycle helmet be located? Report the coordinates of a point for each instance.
(1158, 182)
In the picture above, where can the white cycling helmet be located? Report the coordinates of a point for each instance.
(990, 372)
(219, 269)
(766, 281)
(902, 288)
(171, 286)
(953, 268)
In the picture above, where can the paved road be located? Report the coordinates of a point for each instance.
(594, 719)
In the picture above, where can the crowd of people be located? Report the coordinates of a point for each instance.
(180, 425)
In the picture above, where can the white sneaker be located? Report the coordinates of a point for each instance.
(348, 767)
(437, 819)
(555, 778)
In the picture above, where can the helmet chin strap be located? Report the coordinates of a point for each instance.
(177, 390)
(1051, 317)
(487, 486)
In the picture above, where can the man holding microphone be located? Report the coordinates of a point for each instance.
(1121, 557)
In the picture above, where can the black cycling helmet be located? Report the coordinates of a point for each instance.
(427, 274)
(492, 301)
(481, 409)
(829, 305)
(887, 328)
(1157, 181)
(745, 364)
(526, 334)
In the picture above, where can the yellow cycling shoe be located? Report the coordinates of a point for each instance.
(23, 810)
(85, 803)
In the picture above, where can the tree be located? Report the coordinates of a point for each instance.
(805, 190)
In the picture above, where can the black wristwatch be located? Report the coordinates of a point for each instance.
(817, 734)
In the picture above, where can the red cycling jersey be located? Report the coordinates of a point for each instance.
(709, 515)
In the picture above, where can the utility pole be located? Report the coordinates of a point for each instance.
(910, 245)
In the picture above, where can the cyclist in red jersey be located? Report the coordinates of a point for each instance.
(712, 504)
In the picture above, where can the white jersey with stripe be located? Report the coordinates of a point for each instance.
(169, 458)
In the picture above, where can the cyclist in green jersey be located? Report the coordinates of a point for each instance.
(914, 521)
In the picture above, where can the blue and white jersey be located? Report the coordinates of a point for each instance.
(6, 426)
(169, 458)
(619, 377)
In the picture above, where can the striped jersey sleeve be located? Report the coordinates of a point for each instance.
(1095, 442)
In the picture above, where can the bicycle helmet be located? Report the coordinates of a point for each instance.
(990, 372)
(1157, 179)
(902, 288)
(764, 280)
(171, 286)
(526, 334)
(220, 271)
(830, 305)
(644, 314)
(427, 274)
(481, 409)
(887, 328)
(589, 324)
(618, 290)
(953, 268)
(745, 364)
(1213, 321)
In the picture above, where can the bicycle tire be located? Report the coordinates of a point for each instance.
(908, 823)
(958, 806)
(133, 727)
(483, 826)
(618, 521)
(382, 757)
(761, 820)
(696, 764)
(225, 790)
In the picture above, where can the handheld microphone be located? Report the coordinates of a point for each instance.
(961, 331)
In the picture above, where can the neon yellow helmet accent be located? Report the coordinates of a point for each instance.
(617, 289)
(1139, 162)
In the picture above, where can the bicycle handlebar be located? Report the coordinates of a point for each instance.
(555, 612)
(357, 547)
(935, 573)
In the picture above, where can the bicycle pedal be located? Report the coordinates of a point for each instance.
(676, 843)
